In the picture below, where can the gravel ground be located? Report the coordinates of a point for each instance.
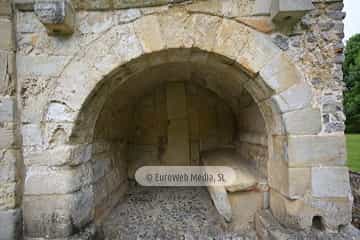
(187, 213)
(168, 213)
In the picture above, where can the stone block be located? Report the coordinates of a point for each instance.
(59, 112)
(244, 206)
(316, 150)
(280, 74)
(330, 182)
(11, 224)
(5, 8)
(7, 139)
(7, 109)
(286, 10)
(221, 201)
(231, 39)
(292, 213)
(6, 33)
(51, 180)
(71, 155)
(262, 7)
(256, 55)
(299, 182)
(57, 216)
(295, 122)
(32, 135)
(299, 214)
(46, 66)
(148, 30)
(291, 182)
(57, 16)
(7, 195)
(294, 98)
(201, 31)
(7, 172)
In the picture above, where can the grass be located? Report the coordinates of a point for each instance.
(353, 148)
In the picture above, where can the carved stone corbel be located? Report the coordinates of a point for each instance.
(284, 13)
(58, 16)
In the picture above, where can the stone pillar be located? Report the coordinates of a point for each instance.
(10, 157)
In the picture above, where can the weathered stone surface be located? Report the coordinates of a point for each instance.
(316, 150)
(6, 33)
(7, 139)
(262, 7)
(72, 155)
(294, 98)
(58, 180)
(330, 182)
(284, 10)
(256, 55)
(280, 73)
(7, 195)
(31, 134)
(11, 224)
(83, 88)
(7, 109)
(295, 124)
(57, 216)
(57, 16)
(231, 39)
(59, 112)
(245, 177)
(220, 199)
(268, 227)
(148, 31)
(40, 65)
(299, 214)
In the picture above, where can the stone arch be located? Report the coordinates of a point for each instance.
(225, 45)
(127, 49)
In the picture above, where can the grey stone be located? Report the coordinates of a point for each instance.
(6, 33)
(59, 180)
(221, 201)
(330, 182)
(262, 7)
(7, 109)
(306, 121)
(286, 10)
(316, 150)
(7, 139)
(11, 224)
(281, 41)
(58, 16)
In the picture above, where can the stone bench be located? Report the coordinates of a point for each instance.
(245, 178)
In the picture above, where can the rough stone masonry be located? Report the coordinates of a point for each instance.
(91, 90)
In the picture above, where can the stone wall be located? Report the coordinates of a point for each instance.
(10, 153)
(252, 135)
(64, 82)
(134, 132)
